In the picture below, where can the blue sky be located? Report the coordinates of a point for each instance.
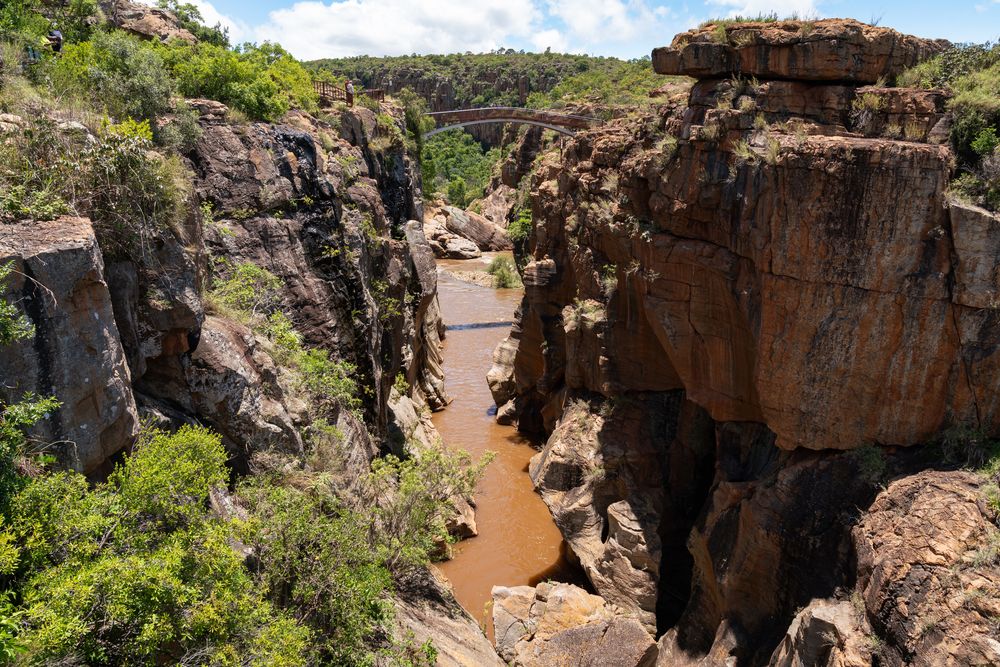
(623, 28)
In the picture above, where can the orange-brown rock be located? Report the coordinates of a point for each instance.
(825, 50)
(928, 573)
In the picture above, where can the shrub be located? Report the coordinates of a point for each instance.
(504, 273)
(411, 499)
(249, 291)
(451, 157)
(138, 571)
(520, 229)
(316, 562)
(126, 77)
(329, 381)
(262, 81)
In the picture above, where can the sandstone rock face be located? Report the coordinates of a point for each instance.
(145, 21)
(561, 624)
(827, 633)
(826, 50)
(233, 385)
(724, 296)
(927, 571)
(76, 354)
(430, 612)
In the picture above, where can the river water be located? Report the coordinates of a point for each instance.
(518, 543)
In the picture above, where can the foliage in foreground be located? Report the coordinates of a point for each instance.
(504, 273)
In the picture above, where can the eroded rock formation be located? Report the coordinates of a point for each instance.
(724, 295)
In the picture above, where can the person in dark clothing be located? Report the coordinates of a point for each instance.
(350, 93)
(55, 40)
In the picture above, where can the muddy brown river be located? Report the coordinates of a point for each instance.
(518, 543)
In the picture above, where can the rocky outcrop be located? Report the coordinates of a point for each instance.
(723, 296)
(145, 21)
(824, 50)
(561, 624)
(428, 609)
(927, 557)
(446, 244)
(76, 353)
(467, 225)
(827, 633)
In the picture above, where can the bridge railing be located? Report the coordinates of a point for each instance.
(330, 93)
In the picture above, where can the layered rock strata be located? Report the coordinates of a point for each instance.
(720, 298)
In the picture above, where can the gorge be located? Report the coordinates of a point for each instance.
(743, 411)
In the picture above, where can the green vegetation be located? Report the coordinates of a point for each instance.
(250, 294)
(125, 188)
(972, 74)
(504, 273)
(618, 83)
(190, 18)
(455, 164)
(467, 72)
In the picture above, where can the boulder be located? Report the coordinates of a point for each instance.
(561, 624)
(427, 608)
(447, 245)
(233, 387)
(474, 227)
(827, 633)
(76, 353)
(145, 21)
(822, 50)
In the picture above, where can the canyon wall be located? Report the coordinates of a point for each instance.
(737, 310)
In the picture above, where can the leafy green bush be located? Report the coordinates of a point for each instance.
(249, 291)
(327, 380)
(262, 81)
(520, 229)
(411, 499)
(138, 570)
(504, 273)
(456, 163)
(316, 562)
(124, 76)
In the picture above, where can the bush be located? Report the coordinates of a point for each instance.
(138, 571)
(124, 76)
(454, 162)
(263, 82)
(409, 501)
(504, 273)
(315, 564)
(249, 291)
(127, 190)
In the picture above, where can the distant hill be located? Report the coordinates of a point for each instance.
(467, 80)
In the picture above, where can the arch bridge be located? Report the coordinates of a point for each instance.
(550, 120)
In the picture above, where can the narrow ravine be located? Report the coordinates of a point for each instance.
(518, 543)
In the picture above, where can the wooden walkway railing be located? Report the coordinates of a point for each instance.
(330, 93)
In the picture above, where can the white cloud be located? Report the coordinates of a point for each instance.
(782, 8)
(395, 27)
(550, 39)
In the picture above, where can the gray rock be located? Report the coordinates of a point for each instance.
(76, 354)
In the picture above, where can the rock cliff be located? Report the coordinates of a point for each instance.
(733, 307)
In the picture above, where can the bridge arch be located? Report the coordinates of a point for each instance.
(566, 124)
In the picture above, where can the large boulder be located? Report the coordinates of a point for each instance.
(145, 21)
(474, 227)
(76, 353)
(824, 50)
(561, 624)
(426, 607)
